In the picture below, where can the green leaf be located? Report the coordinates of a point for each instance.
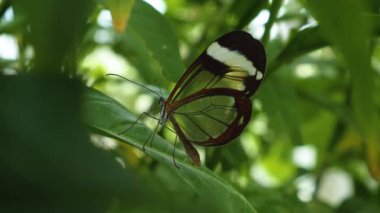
(343, 23)
(46, 158)
(280, 102)
(108, 117)
(150, 45)
(303, 42)
(54, 28)
(275, 199)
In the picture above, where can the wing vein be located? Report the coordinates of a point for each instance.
(195, 124)
(216, 119)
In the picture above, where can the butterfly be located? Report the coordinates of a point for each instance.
(210, 105)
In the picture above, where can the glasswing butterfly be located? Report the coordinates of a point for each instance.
(210, 105)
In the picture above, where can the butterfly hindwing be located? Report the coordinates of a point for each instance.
(211, 117)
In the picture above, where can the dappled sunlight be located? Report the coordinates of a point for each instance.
(104, 142)
(259, 173)
(306, 70)
(9, 48)
(336, 186)
(159, 5)
(143, 103)
(306, 186)
(257, 25)
(103, 61)
(105, 19)
(305, 156)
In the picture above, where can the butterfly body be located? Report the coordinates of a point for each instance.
(210, 105)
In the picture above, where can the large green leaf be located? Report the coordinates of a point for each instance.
(47, 162)
(108, 117)
(343, 23)
(150, 45)
(54, 28)
(280, 102)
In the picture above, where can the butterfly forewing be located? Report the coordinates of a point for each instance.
(234, 61)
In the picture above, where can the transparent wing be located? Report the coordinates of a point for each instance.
(211, 117)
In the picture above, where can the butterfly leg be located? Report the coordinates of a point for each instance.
(133, 124)
(175, 144)
(136, 121)
(151, 137)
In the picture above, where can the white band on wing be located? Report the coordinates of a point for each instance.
(232, 58)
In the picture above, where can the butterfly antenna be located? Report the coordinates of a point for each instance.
(158, 94)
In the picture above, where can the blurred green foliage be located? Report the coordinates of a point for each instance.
(59, 117)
